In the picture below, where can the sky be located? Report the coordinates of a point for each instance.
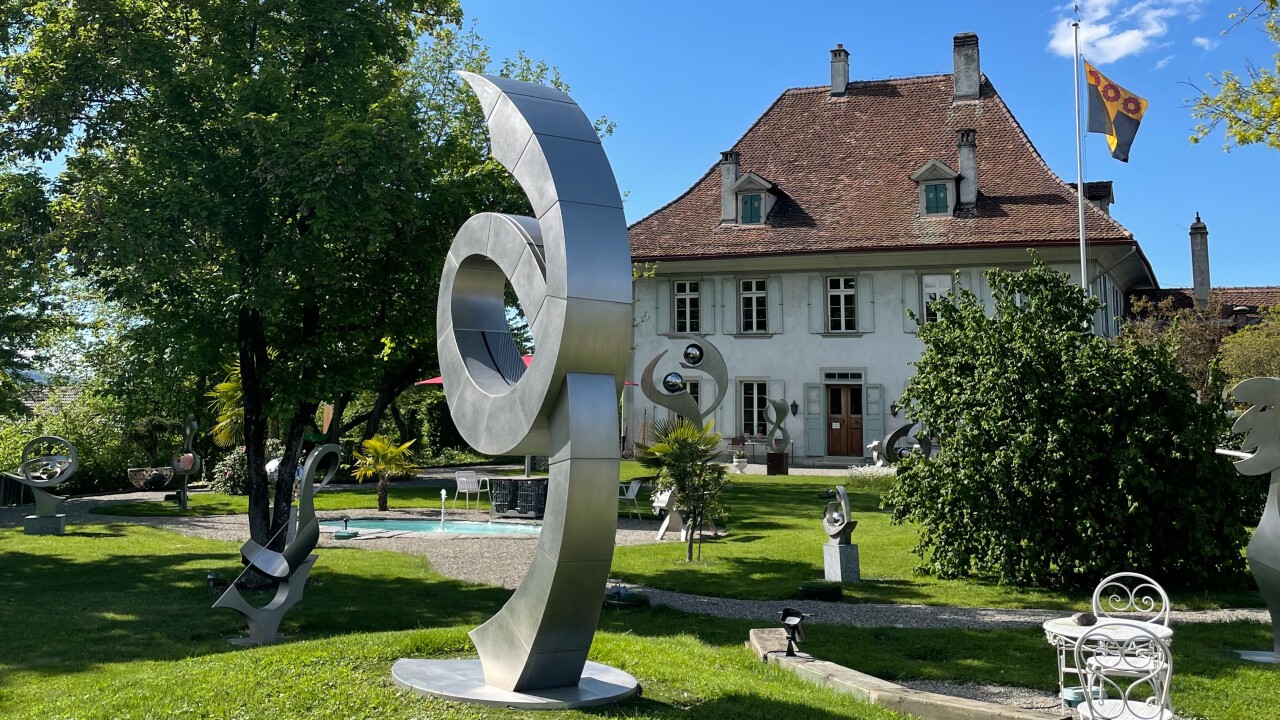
(683, 81)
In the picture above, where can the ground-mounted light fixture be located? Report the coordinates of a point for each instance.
(795, 408)
(211, 582)
(793, 623)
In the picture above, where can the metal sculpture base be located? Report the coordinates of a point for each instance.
(777, 463)
(1259, 656)
(840, 563)
(463, 681)
(264, 622)
(45, 524)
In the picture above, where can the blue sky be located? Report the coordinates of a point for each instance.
(684, 80)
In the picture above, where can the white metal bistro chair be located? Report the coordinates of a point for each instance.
(628, 494)
(468, 485)
(1134, 597)
(1140, 693)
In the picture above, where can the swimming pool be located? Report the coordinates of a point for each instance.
(457, 527)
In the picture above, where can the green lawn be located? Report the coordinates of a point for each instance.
(775, 540)
(115, 624)
(332, 498)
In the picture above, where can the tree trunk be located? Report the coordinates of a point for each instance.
(693, 531)
(406, 429)
(252, 347)
(383, 485)
(288, 468)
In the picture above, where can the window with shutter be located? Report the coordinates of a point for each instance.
(750, 209)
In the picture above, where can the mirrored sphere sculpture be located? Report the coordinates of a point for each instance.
(699, 354)
(570, 268)
(47, 461)
(837, 521)
(290, 567)
(673, 383)
(1260, 455)
(187, 463)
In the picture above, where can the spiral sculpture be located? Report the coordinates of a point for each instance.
(570, 268)
(47, 461)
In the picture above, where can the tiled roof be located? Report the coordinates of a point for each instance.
(842, 167)
(1226, 299)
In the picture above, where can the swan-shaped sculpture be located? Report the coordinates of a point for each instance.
(290, 567)
(47, 461)
(187, 463)
(570, 267)
(1260, 455)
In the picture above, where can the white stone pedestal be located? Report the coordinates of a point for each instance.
(840, 563)
(45, 524)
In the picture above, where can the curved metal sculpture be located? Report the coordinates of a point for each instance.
(888, 452)
(293, 565)
(571, 270)
(700, 354)
(188, 462)
(837, 521)
(42, 472)
(778, 438)
(1260, 455)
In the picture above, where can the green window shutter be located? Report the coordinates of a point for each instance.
(935, 199)
(750, 209)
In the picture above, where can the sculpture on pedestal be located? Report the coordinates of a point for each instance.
(290, 567)
(1260, 455)
(570, 268)
(839, 555)
(47, 461)
(186, 463)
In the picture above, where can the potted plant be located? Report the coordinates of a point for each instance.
(383, 459)
(740, 461)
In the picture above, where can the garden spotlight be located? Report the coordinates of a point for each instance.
(793, 623)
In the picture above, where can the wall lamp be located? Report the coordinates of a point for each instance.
(795, 408)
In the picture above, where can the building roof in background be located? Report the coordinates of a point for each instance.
(1224, 299)
(842, 169)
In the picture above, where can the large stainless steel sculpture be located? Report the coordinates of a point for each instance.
(1260, 455)
(698, 353)
(778, 438)
(292, 566)
(47, 461)
(570, 267)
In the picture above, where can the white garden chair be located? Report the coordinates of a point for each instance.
(1129, 596)
(628, 494)
(467, 485)
(1140, 691)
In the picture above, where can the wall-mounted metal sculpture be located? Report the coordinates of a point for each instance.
(290, 567)
(698, 353)
(47, 461)
(571, 270)
(1260, 455)
(839, 555)
(187, 463)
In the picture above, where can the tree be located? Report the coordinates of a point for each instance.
(1254, 351)
(1248, 104)
(1194, 335)
(253, 174)
(1063, 457)
(683, 453)
(383, 459)
(28, 262)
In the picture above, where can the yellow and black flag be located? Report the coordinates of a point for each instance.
(1114, 112)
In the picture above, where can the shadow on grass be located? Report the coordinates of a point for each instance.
(725, 707)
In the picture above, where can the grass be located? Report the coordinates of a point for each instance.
(775, 544)
(343, 497)
(116, 625)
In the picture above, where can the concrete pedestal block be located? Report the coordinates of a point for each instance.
(777, 463)
(840, 563)
(45, 524)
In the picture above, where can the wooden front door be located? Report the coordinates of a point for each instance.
(844, 420)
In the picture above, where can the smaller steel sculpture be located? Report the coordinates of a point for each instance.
(700, 354)
(290, 567)
(892, 449)
(839, 555)
(47, 461)
(778, 438)
(1260, 455)
(186, 463)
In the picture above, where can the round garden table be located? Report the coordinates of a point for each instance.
(1063, 633)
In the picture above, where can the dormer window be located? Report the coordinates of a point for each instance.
(937, 187)
(749, 209)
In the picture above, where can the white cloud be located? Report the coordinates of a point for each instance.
(1162, 62)
(1111, 29)
(1204, 43)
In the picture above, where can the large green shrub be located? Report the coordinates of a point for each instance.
(1063, 456)
(231, 474)
(441, 433)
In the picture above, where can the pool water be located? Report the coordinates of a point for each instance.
(459, 527)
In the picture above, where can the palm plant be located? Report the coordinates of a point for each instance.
(683, 454)
(227, 405)
(383, 459)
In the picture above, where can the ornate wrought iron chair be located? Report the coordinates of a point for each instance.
(468, 485)
(628, 494)
(1141, 691)
(1131, 597)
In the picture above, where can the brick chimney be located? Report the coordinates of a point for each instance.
(967, 151)
(839, 70)
(968, 73)
(728, 176)
(1200, 262)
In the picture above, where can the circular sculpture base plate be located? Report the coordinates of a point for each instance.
(463, 681)
(1259, 656)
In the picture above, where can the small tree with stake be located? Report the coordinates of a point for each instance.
(683, 454)
(383, 459)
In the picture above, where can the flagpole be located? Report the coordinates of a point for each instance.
(1084, 262)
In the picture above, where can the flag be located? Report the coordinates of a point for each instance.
(1113, 111)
